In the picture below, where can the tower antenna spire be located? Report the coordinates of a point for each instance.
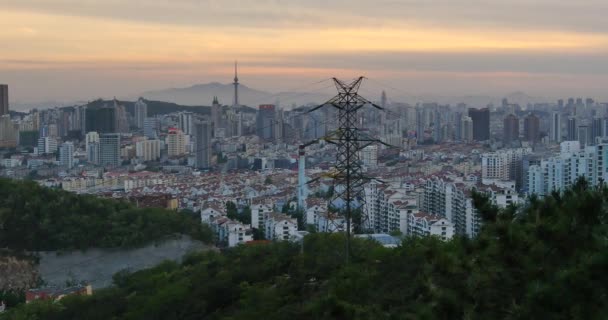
(236, 85)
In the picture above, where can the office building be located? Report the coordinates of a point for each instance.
(531, 128)
(202, 139)
(481, 123)
(141, 113)
(66, 155)
(510, 129)
(109, 150)
(3, 99)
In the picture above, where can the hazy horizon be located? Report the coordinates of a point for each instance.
(68, 50)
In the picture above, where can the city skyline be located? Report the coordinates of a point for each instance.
(546, 48)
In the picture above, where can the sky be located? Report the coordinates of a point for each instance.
(67, 50)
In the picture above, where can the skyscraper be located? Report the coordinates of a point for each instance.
(481, 123)
(265, 121)
(3, 99)
(93, 152)
(151, 126)
(186, 122)
(109, 150)
(122, 124)
(510, 129)
(66, 155)
(583, 136)
(216, 116)
(556, 126)
(467, 129)
(531, 128)
(572, 130)
(141, 113)
(8, 132)
(202, 137)
(101, 119)
(148, 150)
(596, 129)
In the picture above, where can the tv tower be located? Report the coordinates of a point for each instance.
(236, 86)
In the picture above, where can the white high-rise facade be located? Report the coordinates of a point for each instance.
(176, 143)
(148, 150)
(561, 171)
(141, 113)
(556, 127)
(66, 155)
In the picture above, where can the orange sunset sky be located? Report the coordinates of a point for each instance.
(80, 49)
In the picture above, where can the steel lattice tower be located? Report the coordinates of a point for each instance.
(347, 174)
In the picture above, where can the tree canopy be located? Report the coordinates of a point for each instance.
(546, 260)
(36, 218)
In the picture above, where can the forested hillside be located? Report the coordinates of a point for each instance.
(546, 261)
(35, 218)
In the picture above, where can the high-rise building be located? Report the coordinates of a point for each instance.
(556, 126)
(8, 132)
(186, 122)
(3, 99)
(148, 150)
(151, 126)
(583, 135)
(91, 137)
(216, 116)
(122, 122)
(572, 130)
(467, 129)
(481, 123)
(265, 123)
(504, 165)
(109, 150)
(510, 129)
(531, 128)
(141, 113)
(458, 126)
(597, 129)
(101, 119)
(202, 139)
(47, 145)
(561, 171)
(66, 155)
(93, 152)
(176, 143)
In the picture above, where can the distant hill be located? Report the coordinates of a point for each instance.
(203, 94)
(161, 107)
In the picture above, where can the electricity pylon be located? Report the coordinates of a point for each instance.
(349, 139)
